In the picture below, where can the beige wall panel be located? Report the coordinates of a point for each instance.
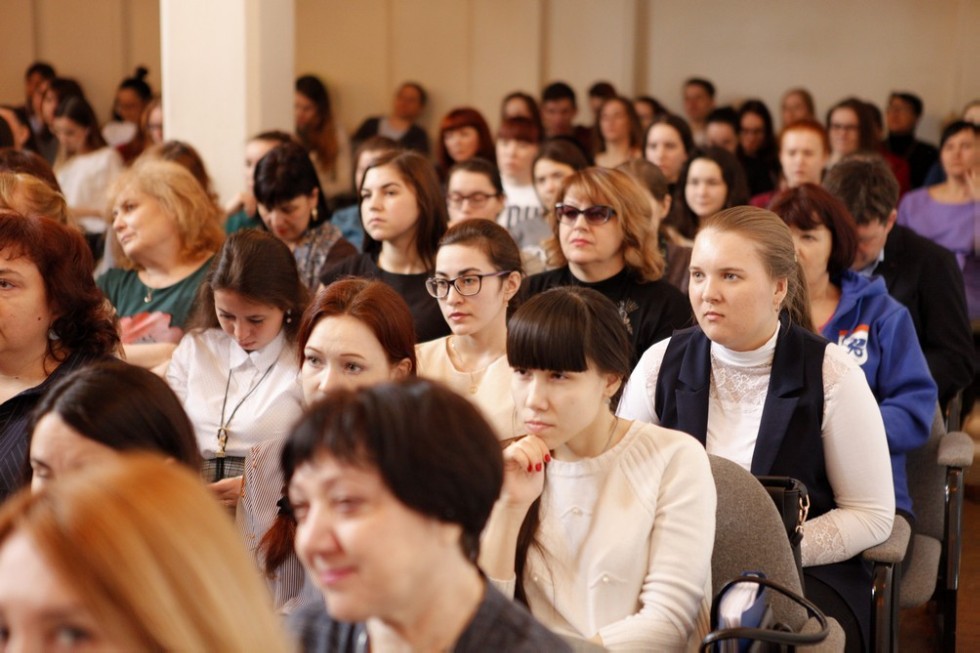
(431, 43)
(142, 40)
(966, 74)
(507, 48)
(17, 36)
(590, 40)
(865, 49)
(347, 44)
(84, 40)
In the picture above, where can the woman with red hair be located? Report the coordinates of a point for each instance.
(464, 134)
(53, 320)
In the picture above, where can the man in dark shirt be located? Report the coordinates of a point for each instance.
(558, 110)
(902, 117)
(920, 274)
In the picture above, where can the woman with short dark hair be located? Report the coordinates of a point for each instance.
(858, 314)
(294, 209)
(391, 487)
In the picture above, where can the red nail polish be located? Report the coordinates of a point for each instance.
(530, 467)
(547, 458)
(537, 467)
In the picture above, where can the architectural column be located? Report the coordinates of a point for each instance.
(227, 70)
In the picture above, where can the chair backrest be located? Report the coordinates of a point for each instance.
(750, 536)
(927, 482)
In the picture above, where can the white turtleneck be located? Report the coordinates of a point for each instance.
(855, 448)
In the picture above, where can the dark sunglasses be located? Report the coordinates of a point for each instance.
(598, 214)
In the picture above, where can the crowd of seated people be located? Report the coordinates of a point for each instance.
(462, 396)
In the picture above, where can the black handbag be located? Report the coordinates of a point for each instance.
(773, 637)
(793, 504)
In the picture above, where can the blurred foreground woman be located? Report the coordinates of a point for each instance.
(132, 556)
(391, 487)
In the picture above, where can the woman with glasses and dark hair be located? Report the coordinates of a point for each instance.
(604, 526)
(603, 239)
(478, 273)
(475, 190)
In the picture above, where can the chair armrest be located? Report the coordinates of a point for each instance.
(834, 642)
(956, 450)
(892, 550)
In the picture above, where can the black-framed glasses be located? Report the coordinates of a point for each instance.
(598, 214)
(465, 284)
(477, 200)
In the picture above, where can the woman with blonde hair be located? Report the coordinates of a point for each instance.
(754, 384)
(132, 555)
(167, 229)
(32, 197)
(604, 240)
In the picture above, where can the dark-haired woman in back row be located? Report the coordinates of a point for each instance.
(294, 209)
(404, 216)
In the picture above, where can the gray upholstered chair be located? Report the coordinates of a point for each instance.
(750, 536)
(935, 475)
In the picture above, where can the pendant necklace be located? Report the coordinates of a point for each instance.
(223, 424)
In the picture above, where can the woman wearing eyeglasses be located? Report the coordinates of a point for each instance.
(475, 190)
(603, 240)
(478, 273)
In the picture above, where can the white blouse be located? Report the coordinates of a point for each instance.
(199, 374)
(855, 447)
(624, 544)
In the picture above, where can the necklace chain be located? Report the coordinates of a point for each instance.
(223, 424)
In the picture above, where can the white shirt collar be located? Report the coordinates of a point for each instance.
(261, 359)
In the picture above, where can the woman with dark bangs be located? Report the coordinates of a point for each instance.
(518, 143)
(584, 490)
(604, 239)
(464, 134)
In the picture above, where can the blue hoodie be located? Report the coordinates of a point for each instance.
(877, 332)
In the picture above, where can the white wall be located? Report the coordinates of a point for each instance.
(475, 51)
(97, 42)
